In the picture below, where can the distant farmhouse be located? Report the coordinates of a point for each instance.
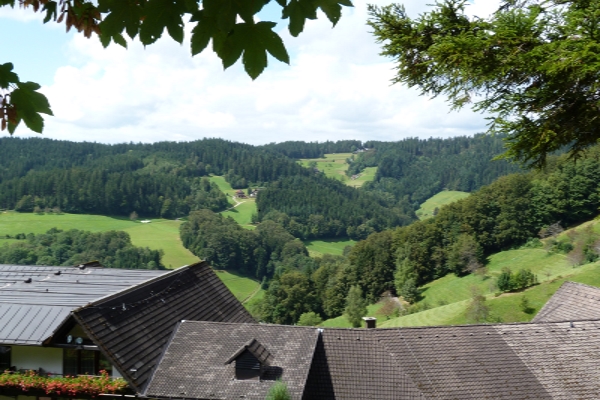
(182, 335)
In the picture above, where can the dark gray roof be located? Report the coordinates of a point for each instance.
(36, 300)
(194, 366)
(571, 302)
(504, 361)
(354, 364)
(255, 348)
(132, 326)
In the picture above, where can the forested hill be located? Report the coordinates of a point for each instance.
(167, 179)
(513, 211)
(418, 168)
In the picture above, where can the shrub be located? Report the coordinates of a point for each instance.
(310, 319)
(278, 391)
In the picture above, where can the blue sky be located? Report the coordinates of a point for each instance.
(337, 87)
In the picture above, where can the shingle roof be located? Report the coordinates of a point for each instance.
(354, 364)
(194, 366)
(504, 361)
(571, 302)
(132, 326)
(256, 349)
(36, 300)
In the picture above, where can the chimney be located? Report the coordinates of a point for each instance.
(371, 322)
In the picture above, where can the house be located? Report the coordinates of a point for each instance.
(78, 320)
(182, 335)
(571, 302)
(538, 360)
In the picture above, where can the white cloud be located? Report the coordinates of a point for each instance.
(20, 14)
(337, 87)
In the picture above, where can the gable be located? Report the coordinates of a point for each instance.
(195, 363)
(571, 302)
(132, 327)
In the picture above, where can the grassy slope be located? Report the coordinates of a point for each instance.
(335, 166)
(242, 212)
(449, 296)
(159, 234)
(440, 199)
(242, 287)
(317, 248)
(342, 321)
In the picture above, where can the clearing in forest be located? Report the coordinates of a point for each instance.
(335, 166)
(437, 201)
(316, 248)
(240, 210)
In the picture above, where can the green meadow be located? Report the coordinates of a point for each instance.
(158, 234)
(447, 298)
(335, 166)
(241, 210)
(244, 288)
(316, 248)
(437, 201)
(342, 321)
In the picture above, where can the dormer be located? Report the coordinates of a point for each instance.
(251, 360)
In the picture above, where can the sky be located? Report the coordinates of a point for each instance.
(336, 87)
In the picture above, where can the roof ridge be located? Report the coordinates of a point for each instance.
(138, 285)
(579, 284)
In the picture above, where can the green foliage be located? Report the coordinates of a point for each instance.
(410, 292)
(431, 207)
(230, 25)
(525, 306)
(533, 65)
(310, 319)
(226, 245)
(288, 298)
(523, 278)
(356, 306)
(278, 391)
(20, 101)
(477, 309)
(112, 249)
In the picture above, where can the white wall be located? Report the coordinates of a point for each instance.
(30, 357)
(48, 358)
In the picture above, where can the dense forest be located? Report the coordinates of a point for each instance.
(113, 249)
(226, 245)
(513, 211)
(166, 179)
(416, 169)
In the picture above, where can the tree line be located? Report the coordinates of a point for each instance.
(415, 169)
(226, 245)
(511, 212)
(113, 249)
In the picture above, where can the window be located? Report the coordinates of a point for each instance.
(85, 362)
(4, 358)
(247, 366)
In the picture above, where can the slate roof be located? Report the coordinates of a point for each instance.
(133, 326)
(553, 360)
(194, 366)
(255, 348)
(36, 300)
(504, 361)
(571, 302)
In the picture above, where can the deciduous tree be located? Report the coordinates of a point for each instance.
(231, 26)
(356, 306)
